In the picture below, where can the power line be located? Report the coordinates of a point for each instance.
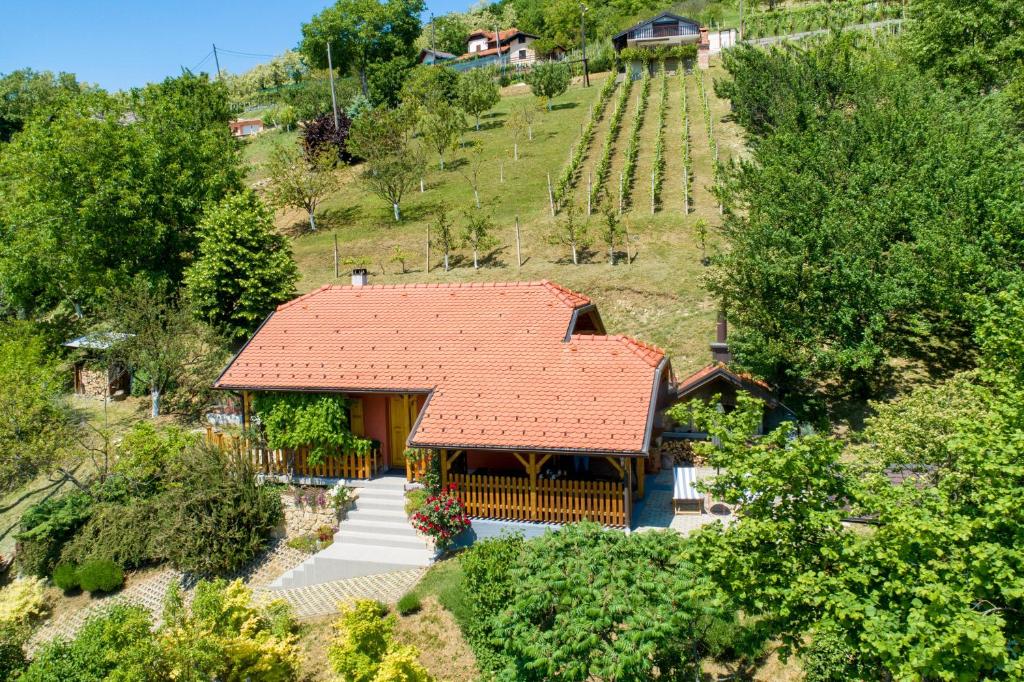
(244, 54)
(202, 61)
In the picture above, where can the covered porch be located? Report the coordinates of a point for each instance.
(544, 487)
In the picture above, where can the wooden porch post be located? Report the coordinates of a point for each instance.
(532, 470)
(640, 478)
(627, 492)
(444, 468)
(246, 410)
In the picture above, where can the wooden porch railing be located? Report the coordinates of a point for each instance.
(287, 462)
(414, 471)
(558, 501)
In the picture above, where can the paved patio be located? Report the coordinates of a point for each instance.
(655, 510)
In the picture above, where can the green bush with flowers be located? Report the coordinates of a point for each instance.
(442, 517)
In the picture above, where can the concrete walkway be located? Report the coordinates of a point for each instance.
(323, 599)
(374, 538)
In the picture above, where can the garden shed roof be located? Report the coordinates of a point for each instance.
(501, 363)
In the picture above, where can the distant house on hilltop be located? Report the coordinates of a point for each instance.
(668, 30)
(512, 47)
(244, 127)
(428, 56)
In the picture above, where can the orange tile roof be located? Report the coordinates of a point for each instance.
(494, 358)
(740, 379)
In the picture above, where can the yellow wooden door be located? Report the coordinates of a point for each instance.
(403, 411)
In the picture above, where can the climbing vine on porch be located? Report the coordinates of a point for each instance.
(319, 421)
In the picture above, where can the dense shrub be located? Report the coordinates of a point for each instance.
(65, 576)
(487, 568)
(221, 636)
(320, 134)
(364, 632)
(588, 603)
(364, 649)
(224, 636)
(100, 575)
(22, 602)
(215, 517)
(116, 644)
(46, 527)
(119, 532)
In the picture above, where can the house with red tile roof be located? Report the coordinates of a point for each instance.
(510, 48)
(532, 409)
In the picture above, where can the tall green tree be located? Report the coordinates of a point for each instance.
(548, 80)
(364, 35)
(35, 423)
(847, 247)
(299, 181)
(478, 92)
(394, 160)
(441, 126)
(107, 188)
(25, 94)
(976, 45)
(244, 268)
(931, 591)
(450, 32)
(160, 339)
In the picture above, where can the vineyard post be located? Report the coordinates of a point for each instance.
(620, 193)
(590, 183)
(501, 170)
(653, 173)
(686, 192)
(336, 273)
(421, 185)
(519, 251)
(428, 249)
(551, 197)
(625, 232)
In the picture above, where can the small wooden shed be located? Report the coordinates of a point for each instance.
(93, 374)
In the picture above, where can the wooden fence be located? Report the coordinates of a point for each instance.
(287, 462)
(558, 501)
(414, 471)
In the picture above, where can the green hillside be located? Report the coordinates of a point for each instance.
(658, 297)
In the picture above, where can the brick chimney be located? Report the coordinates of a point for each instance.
(720, 347)
(359, 277)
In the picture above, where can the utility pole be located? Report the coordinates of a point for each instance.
(216, 60)
(583, 43)
(433, 47)
(497, 42)
(334, 98)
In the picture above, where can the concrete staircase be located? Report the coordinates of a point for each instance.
(374, 538)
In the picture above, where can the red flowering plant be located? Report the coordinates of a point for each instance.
(442, 517)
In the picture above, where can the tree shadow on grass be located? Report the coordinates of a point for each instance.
(564, 105)
(493, 259)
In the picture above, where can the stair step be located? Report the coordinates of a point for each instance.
(382, 515)
(387, 505)
(368, 537)
(376, 526)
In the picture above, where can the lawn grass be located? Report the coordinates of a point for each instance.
(444, 582)
(658, 298)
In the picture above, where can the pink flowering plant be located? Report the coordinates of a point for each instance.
(442, 517)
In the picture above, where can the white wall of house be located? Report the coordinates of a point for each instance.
(521, 50)
(721, 40)
(476, 44)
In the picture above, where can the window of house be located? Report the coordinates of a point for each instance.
(522, 54)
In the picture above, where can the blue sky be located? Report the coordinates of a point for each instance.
(124, 44)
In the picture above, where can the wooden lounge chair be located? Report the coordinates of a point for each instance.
(686, 499)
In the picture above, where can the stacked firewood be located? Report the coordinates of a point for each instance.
(681, 452)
